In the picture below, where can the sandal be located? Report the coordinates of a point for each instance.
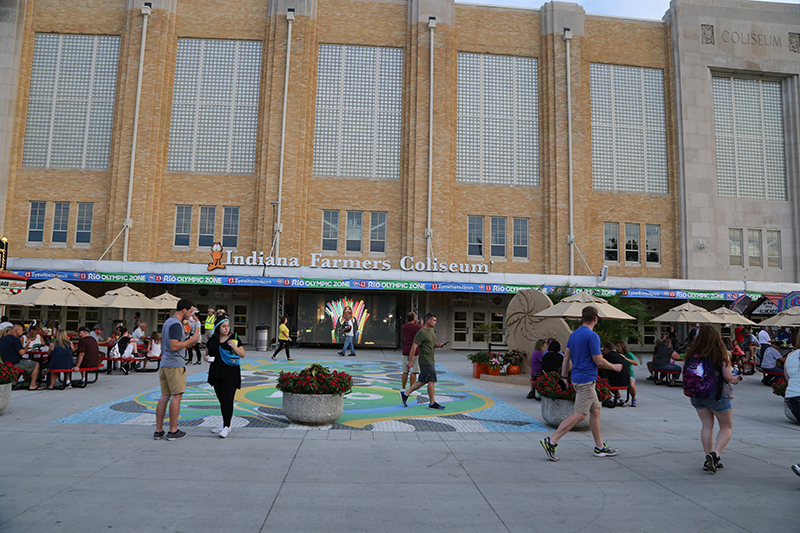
(274, 358)
(289, 359)
(37, 388)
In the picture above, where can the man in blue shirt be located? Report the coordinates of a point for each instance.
(583, 350)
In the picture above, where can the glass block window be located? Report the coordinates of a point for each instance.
(498, 120)
(215, 106)
(521, 238)
(736, 253)
(631, 243)
(475, 236)
(358, 115)
(36, 222)
(355, 224)
(754, 247)
(71, 101)
(83, 228)
(497, 236)
(629, 139)
(773, 249)
(748, 122)
(183, 224)
(330, 231)
(60, 222)
(230, 227)
(377, 232)
(652, 243)
(611, 240)
(208, 216)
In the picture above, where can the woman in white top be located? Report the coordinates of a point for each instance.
(153, 349)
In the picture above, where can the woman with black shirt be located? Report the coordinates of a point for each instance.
(223, 352)
(551, 361)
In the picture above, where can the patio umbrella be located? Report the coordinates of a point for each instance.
(54, 292)
(732, 317)
(788, 319)
(572, 306)
(127, 298)
(690, 313)
(166, 300)
(5, 293)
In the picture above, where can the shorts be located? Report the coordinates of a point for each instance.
(427, 374)
(27, 365)
(414, 365)
(172, 380)
(585, 398)
(536, 375)
(723, 405)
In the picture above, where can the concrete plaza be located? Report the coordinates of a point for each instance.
(101, 477)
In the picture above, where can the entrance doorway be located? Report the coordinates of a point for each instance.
(468, 327)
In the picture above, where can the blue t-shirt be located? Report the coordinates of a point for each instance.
(172, 329)
(582, 344)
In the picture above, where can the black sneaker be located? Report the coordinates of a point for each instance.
(435, 405)
(404, 398)
(176, 435)
(531, 395)
(711, 463)
(341, 354)
(353, 354)
(549, 448)
(158, 434)
(796, 469)
(604, 451)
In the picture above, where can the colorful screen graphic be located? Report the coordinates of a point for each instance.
(318, 318)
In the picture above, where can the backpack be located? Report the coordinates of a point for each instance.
(113, 352)
(700, 378)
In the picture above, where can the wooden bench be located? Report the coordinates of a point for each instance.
(62, 373)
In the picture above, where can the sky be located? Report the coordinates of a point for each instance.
(643, 9)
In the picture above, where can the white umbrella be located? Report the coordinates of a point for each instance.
(166, 300)
(788, 318)
(127, 298)
(690, 313)
(572, 307)
(54, 292)
(5, 293)
(732, 317)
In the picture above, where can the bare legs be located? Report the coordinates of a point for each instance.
(724, 434)
(174, 402)
(405, 378)
(569, 422)
(418, 385)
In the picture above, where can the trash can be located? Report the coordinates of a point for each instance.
(262, 338)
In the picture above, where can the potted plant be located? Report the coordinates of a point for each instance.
(779, 389)
(512, 359)
(8, 376)
(480, 363)
(315, 395)
(495, 364)
(558, 400)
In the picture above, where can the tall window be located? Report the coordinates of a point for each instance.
(230, 227)
(83, 228)
(36, 222)
(773, 249)
(355, 224)
(611, 239)
(215, 106)
(748, 122)
(60, 222)
(330, 231)
(629, 139)
(183, 224)
(754, 247)
(631, 243)
(735, 246)
(652, 243)
(521, 238)
(71, 101)
(475, 236)
(498, 120)
(208, 217)
(498, 237)
(358, 114)
(377, 232)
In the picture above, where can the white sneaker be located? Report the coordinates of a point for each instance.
(224, 432)
(217, 430)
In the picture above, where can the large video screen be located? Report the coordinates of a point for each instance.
(318, 315)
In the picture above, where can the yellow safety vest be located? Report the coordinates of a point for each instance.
(210, 322)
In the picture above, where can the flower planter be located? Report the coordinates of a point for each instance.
(5, 395)
(494, 371)
(788, 412)
(313, 409)
(512, 369)
(555, 411)
(478, 369)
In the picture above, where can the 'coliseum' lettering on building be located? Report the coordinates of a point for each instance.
(432, 264)
(753, 39)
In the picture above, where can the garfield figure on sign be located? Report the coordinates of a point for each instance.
(216, 256)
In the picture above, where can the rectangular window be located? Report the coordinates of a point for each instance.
(629, 134)
(230, 227)
(359, 111)
(183, 224)
(521, 238)
(498, 237)
(330, 231)
(631, 243)
(774, 249)
(748, 124)
(355, 224)
(735, 236)
(497, 136)
(83, 228)
(71, 101)
(215, 106)
(60, 222)
(208, 217)
(36, 222)
(611, 239)
(475, 236)
(754, 248)
(652, 243)
(377, 232)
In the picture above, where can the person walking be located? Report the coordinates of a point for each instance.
(348, 326)
(283, 340)
(791, 369)
(583, 351)
(424, 343)
(209, 324)
(223, 352)
(408, 331)
(172, 374)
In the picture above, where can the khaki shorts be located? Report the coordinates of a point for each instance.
(27, 365)
(172, 380)
(414, 365)
(585, 398)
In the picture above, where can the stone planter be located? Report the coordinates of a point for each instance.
(788, 412)
(555, 411)
(313, 409)
(5, 395)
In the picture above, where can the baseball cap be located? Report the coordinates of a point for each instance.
(98, 326)
(83, 328)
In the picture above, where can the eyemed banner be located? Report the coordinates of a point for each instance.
(365, 284)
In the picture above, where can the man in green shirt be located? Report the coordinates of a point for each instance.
(424, 343)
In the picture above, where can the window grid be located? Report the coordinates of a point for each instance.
(183, 224)
(773, 249)
(60, 222)
(754, 248)
(611, 241)
(498, 237)
(36, 222)
(83, 227)
(354, 228)
(631, 243)
(71, 101)
(652, 243)
(520, 238)
(230, 227)
(475, 236)
(330, 231)
(377, 232)
(735, 247)
(206, 226)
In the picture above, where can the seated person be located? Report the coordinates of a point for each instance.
(772, 362)
(751, 346)
(552, 359)
(127, 347)
(536, 366)
(139, 332)
(153, 349)
(11, 351)
(33, 340)
(784, 336)
(737, 355)
(664, 359)
(656, 345)
(60, 359)
(615, 379)
(88, 354)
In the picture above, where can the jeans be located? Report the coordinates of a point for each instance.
(348, 341)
